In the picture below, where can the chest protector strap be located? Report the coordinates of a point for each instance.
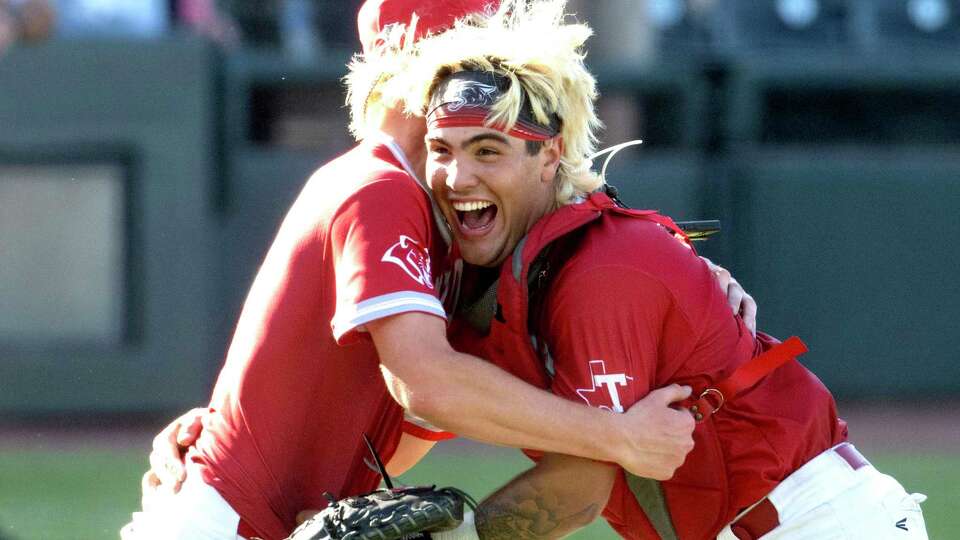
(649, 495)
(746, 375)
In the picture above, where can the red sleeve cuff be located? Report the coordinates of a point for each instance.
(426, 434)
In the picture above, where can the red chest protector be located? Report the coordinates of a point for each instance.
(694, 504)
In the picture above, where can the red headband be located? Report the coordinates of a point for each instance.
(466, 98)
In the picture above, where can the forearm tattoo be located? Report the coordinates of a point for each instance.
(525, 510)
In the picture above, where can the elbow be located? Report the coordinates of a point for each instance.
(427, 386)
(421, 396)
(420, 405)
(430, 402)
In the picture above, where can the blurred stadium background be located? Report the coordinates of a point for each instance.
(149, 149)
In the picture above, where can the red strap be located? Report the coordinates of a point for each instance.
(601, 201)
(746, 375)
(671, 226)
(751, 372)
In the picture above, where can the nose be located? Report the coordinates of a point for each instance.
(459, 177)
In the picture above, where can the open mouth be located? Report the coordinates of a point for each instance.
(475, 216)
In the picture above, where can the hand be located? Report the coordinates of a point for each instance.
(740, 301)
(169, 446)
(659, 437)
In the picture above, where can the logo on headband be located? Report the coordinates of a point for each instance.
(466, 98)
(463, 93)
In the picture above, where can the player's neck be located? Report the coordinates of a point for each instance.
(408, 133)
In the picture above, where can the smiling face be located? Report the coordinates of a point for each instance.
(490, 188)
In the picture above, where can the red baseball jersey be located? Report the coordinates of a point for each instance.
(301, 382)
(631, 309)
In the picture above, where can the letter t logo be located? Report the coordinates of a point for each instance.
(599, 378)
(611, 382)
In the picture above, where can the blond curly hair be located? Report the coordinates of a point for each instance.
(531, 43)
(369, 77)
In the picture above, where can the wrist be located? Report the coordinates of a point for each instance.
(466, 531)
(613, 439)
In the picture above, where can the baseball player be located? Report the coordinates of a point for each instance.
(616, 306)
(345, 323)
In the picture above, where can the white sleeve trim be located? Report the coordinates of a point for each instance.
(355, 316)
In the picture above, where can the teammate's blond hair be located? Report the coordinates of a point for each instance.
(531, 43)
(369, 77)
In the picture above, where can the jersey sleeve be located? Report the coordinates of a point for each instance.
(604, 335)
(380, 239)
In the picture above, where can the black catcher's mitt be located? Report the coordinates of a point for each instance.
(387, 514)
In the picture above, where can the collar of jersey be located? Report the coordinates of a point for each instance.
(391, 144)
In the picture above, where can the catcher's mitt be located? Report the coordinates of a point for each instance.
(387, 514)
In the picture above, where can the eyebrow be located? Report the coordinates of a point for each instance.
(475, 139)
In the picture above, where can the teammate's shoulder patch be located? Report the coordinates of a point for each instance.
(409, 255)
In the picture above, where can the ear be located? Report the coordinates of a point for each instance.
(551, 152)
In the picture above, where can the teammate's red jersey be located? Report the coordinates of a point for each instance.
(301, 382)
(630, 309)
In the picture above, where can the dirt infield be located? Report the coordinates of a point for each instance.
(900, 427)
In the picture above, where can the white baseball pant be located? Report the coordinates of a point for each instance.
(829, 498)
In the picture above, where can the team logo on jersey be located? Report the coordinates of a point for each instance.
(413, 259)
(603, 384)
